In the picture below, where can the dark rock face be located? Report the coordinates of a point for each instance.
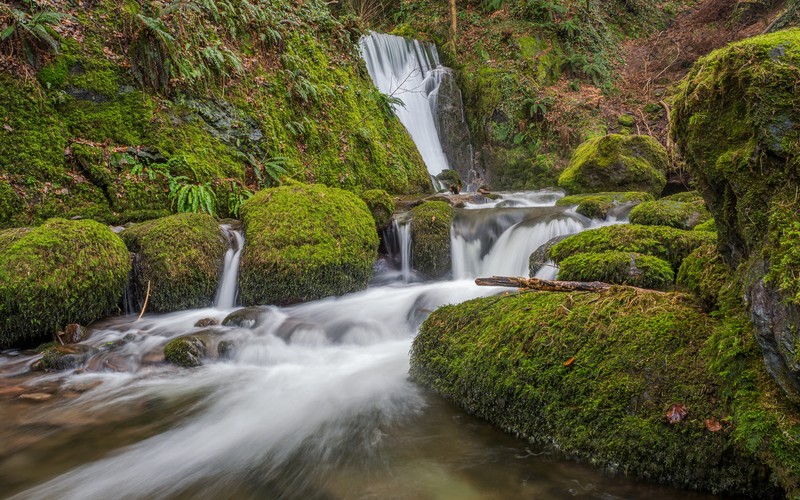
(454, 132)
(539, 257)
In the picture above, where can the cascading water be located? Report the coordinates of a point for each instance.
(410, 71)
(228, 283)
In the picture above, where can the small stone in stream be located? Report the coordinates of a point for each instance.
(72, 334)
(36, 396)
(205, 322)
(226, 349)
(186, 352)
(64, 357)
(15, 390)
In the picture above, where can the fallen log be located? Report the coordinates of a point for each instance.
(544, 285)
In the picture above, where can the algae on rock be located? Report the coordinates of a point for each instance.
(181, 258)
(305, 242)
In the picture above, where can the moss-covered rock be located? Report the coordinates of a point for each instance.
(594, 376)
(704, 273)
(380, 205)
(10, 204)
(305, 242)
(540, 257)
(617, 163)
(181, 257)
(186, 352)
(430, 238)
(684, 197)
(709, 226)
(664, 212)
(598, 205)
(667, 243)
(622, 268)
(59, 273)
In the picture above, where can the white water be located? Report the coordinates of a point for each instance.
(409, 70)
(228, 284)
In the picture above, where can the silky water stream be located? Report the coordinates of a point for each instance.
(314, 401)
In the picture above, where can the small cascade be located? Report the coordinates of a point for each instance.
(228, 283)
(410, 71)
(398, 243)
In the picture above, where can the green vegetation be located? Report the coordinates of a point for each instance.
(186, 352)
(617, 163)
(305, 242)
(666, 212)
(381, 206)
(180, 257)
(666, 243)
(622, 268)
(598, 205)
(704, 274)
(430, 238)
(594, 375)
(59, 273)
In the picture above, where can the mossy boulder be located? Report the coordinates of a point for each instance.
(305, 242)
(186, 352)
(617, 163)
(709, 226)
(181, 256)
(59, 273)
(380, 205)
(593, 375)
(667, 243)
(736, 119)
(430, 238)
(598, 205)
(704, 273)
(622, 268)
(665, 212)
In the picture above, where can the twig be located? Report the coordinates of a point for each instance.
(146, 298)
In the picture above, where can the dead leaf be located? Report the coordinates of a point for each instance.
(677, 412)
(7, 127)
(569, 361)
(712, 425)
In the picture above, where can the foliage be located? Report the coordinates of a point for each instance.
(305, 242)
(621, 268)
(704, 274)
(180, 256)
(29, 33)
(58, 273)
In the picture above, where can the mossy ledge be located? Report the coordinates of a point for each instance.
(621, 268)
(59, 273)
(305, 242)
(430, 238)
(181, 256)
(592, 376)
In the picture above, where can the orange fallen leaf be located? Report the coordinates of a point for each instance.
(712, 425)
(569, 361)
(676, 413)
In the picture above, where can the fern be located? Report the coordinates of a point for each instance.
(32, 34)
(191, 197)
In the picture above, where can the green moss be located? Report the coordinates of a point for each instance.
(621, 268)
(704, 273)
(305, 242)
(9, 236)
(784, 249)
(121, 120)
(598, 205)
(709, 226)
(617, 163)
(181, 257)
(684, 197)
(670, 213)
(735, 120)
(592, 375)
(667, 243)
(59, 273)
(430, 238)
(10, 204)
(380, 205)
(186, 352)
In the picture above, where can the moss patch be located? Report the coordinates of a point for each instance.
(430, 238)
(181, 256)
(622, 268)
(380, 205)
(704, 273)
(667, 243)
(617, 163)
(59, 273)
(664, 212)
(598, 205)
(186, 352)
(593, 375)
(305, 242)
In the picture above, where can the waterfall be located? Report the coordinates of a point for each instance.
(410, 71)
(226, 293)
(398, 243)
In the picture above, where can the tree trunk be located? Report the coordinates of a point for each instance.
(544, 285)
(453, 22)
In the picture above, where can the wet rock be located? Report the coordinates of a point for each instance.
(36, 396)
(539, 257)
(186, 352)
(73, 334)
(294, 330)
(206, 322)
(227, 349)
(430, 238)
(64, 357)
(249, 317)
(110, 362)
